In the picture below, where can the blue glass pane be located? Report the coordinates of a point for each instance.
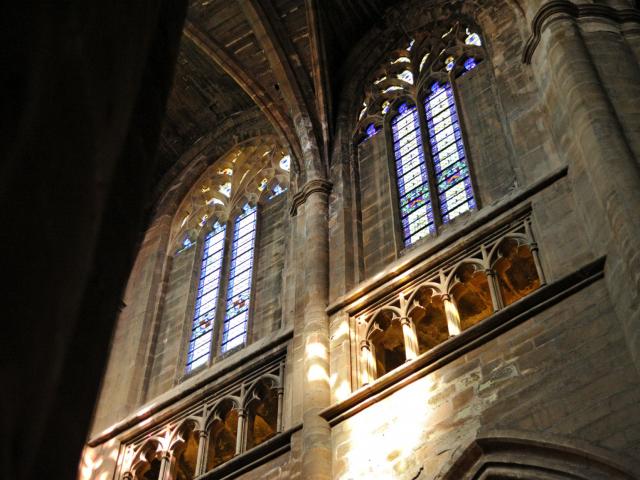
(234, 330)
(413, 181)
(455, 193)
(470, 64)
(206, 299)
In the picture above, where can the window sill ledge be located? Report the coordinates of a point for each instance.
(247, 461)
(494, 325)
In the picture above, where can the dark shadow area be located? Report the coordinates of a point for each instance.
(85, 86)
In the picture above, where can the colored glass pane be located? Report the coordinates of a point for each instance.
(240, 276)
(455, 193)
(285, 163)
(206, 299)
(411, 171)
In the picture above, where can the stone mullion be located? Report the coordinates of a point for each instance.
(535, 252)
(609, 164)
(410, 335)
(201, 460)
(428, 160)
(240, 434)
(494, 290)
(221, 305)
(367, 362)
(165, 466)
(453, 316)
(316, 433)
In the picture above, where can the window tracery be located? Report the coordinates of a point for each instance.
(412, 97)
(223, 207)
(448, 300)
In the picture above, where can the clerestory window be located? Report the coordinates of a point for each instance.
(223, 212)
(412, 100)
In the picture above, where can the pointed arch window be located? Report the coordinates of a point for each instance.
(412, 97)
(228, 207)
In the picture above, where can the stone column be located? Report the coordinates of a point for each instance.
(316, 434)
(367, 362)
(165, 466)
(494, 290)
(592, 138)
(242, 416)
(453, 317)
(534, 252)
(410, 338)
(201, 461)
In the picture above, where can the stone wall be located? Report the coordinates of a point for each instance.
(563, 376)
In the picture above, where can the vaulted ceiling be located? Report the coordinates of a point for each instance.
(283, 57)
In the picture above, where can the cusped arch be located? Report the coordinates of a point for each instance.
(144, 454)
(494, 252)
(214, 411)
(436, 288)
(273, 381)
(197, 423)
(395, 311)
(452, 278)
(527, 457)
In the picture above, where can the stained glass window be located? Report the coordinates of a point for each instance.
(433, 178)
(240, 275)
(413, 180)
(455, 194)
(206, 299)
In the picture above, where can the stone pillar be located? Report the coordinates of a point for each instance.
(280, 392)
(316, 434)
(494, 290)
(201, 462)
(592, 138)
(535, 252)
(242, 417)
(453, 317)
(367, 362)
(165, 466)
(410, 338)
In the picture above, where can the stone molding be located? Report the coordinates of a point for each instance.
(312, 186)
(183, 396)
(557, 8)
(506, 319)
(522, 454)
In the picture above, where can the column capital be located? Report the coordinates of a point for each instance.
(567, 9)
(312, 186)
(365, 344)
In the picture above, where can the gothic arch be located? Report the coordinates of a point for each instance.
(512, 457)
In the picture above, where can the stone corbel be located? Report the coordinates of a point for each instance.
(557, 8)
(313, 186)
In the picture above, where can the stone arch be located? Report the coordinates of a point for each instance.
(469, 288)
(222, 430)
(512, 261)
(261, 405)
(386, 339)
(515, 457)
(146, 459)
(184, 449)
